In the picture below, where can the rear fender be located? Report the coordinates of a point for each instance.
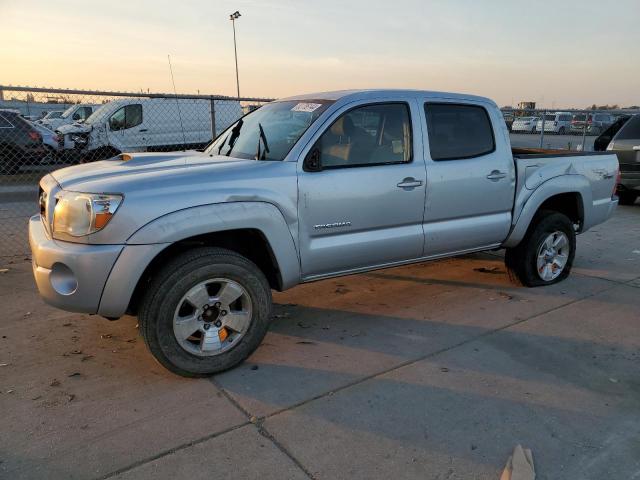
(532, 200)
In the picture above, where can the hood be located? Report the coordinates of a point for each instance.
(74, 128)
(117, 174)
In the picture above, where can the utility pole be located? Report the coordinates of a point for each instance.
(233, 17)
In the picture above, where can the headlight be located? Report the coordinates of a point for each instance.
(78, 214)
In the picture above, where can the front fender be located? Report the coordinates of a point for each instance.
(529, 202)
(218, 217)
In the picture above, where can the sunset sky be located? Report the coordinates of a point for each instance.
(556, 53)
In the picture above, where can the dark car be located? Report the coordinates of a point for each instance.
(20, 143)
(601, 143)
(626, 145)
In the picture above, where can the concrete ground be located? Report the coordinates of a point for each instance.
(432, 371)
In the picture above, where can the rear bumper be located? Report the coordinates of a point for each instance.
(629, 181)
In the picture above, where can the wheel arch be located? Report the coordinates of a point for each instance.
(567, 194)
(256, 230)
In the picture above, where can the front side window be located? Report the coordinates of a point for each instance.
(269, 132)
(126, 117)
(458, 131)
(370, 135)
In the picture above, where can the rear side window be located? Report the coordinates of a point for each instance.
(126, 117)
(630, 130)
(458, 131)
(4, 123)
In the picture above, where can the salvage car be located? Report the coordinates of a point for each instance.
(303, 189)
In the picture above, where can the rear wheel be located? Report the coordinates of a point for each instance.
(205, 312)
(561, 131)
(545, 255)
(627, 198)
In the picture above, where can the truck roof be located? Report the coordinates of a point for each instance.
(363, 94)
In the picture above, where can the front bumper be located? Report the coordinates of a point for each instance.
(70, 276)
(87, 278)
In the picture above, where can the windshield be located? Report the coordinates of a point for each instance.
(98, 113)
(68, 111)
(269, 132)
(550, 117)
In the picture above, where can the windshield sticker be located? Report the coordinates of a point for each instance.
(306, 107)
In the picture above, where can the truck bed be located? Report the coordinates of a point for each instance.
(529, 152)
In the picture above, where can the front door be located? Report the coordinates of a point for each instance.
(361, 198)
(471, 186)
(127, 131)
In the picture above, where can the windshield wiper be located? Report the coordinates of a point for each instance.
(262, 138)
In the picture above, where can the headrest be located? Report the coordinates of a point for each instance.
(343, 126)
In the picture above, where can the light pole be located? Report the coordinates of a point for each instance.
(233, 17)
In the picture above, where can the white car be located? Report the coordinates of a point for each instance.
(50, 116)
(558, 122)
(525, 124)
(75, 113)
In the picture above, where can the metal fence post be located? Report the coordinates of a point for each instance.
(213, 119)
(584, 130)
(544, 115)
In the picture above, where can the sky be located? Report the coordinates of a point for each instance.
(558, 54)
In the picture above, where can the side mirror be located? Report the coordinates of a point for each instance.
(312, 161)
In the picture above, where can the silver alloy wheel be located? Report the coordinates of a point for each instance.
(212, 317)
(552, 256)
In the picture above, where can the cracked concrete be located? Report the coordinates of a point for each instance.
(428, 371)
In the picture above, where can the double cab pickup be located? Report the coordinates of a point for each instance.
(303, 189)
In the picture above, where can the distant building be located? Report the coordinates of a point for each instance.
(527, 106)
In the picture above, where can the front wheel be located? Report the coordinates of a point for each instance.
(545, 255)
(205, 312)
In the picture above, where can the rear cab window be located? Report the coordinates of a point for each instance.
(458, 131)
(630, 130)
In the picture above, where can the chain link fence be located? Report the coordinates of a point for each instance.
(577, 130)
(42, 130)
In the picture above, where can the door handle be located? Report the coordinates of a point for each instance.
(409, 182)
(143, 130)
(496, 175)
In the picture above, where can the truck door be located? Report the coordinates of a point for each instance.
(471, 178)
(126, 129)
(361, 191)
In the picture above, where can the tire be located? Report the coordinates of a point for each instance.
(522, 261)
(627, 198)
(561, 131)
(164, 300)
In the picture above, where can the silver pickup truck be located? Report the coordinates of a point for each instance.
(302, 189)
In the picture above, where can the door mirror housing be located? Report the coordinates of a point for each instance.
(312, 161)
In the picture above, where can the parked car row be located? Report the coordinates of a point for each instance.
(561, 123)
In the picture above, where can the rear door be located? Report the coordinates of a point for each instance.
(471, 182)
(364, 206)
